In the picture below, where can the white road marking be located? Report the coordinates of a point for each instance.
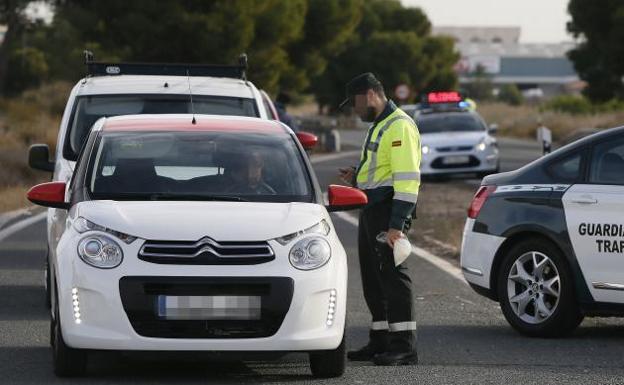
(14, 228)
(435, 260)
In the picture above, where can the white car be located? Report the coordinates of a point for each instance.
(546, 241)
(112, 89)
(455, 139)
(206, 236)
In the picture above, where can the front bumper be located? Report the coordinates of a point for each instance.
(110, 321)
(433, 163)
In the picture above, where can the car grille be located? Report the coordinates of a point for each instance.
(139, 296)
(206, 251)
(454, 148)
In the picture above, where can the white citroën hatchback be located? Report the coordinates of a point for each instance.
(205, 233)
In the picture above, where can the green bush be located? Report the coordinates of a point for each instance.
(510, 94)
(575, 105)
(27, 69)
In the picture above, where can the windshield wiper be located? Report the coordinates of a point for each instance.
(196, 197)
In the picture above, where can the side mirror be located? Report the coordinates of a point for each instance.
(308, 140)
(493, 128)
(342, 198)
(39, 158)
(51, 194)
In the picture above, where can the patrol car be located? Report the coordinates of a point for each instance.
(547, 240)
(112, 89)
(455, 139)
(197, 233)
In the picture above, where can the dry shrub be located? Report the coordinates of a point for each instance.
(33, 117)
(522, 121)
(13, 198)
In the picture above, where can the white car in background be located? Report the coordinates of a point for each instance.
(455, 139)
(206, 236)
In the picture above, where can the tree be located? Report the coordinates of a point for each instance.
(12, 16)
(599, 57)
(480, 86)
(510, 94)
(394, 43)
(287, 42)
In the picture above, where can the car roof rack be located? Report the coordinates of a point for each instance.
(166, 69)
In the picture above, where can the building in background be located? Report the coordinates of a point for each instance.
(538, 70)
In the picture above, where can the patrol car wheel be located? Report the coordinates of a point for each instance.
(536, 292)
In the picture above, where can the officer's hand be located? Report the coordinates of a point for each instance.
(346, 174)
(393, 236)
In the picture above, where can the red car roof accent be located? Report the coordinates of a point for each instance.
(203, 124)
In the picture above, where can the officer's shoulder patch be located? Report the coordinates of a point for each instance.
(396, 143)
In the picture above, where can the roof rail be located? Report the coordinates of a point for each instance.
(168, 69)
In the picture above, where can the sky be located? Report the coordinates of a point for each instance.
(542, 21)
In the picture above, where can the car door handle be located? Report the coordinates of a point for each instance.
(585, 201)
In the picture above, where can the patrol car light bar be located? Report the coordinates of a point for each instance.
(166, 69)
(443, 97)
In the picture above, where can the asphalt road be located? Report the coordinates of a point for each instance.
(462, 337)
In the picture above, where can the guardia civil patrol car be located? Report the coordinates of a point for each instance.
(547, 240)
(455, 139)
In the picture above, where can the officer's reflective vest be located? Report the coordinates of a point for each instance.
(391, 158)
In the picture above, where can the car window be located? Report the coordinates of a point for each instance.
(607, 164)
(567, 169)
(178, 165)
(449, 122)
(88, 109)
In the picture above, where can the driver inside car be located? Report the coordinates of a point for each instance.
(245, 175)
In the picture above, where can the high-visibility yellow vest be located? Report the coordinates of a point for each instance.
(391, 159)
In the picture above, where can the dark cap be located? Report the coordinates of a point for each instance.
(359, 85)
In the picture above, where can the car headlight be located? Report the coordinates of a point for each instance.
(320, 228)
(425, 149)
(83, 225)
(310, 253)
(100, 251)
(481, 146)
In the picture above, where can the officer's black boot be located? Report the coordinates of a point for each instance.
(378, 343)
(395, 358)
(401, 350)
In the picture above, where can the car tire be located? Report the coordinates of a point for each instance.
(549, 287)
(329, 363)
(68, 362)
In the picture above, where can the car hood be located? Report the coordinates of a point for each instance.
(222, 221)
(440, 139)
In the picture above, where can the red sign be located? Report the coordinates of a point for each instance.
(444, 97)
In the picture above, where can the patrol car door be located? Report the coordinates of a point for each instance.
(594, 213)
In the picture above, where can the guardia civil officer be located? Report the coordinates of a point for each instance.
(388, 173)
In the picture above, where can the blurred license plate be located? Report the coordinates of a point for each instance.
(455, 160)
(218, 307)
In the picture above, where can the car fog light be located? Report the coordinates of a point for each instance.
(332, 308)
(76, 306)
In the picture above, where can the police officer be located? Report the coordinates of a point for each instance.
(388, 173)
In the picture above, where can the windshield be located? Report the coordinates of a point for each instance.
(211, 165)
(449, 122)
(88, 109)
